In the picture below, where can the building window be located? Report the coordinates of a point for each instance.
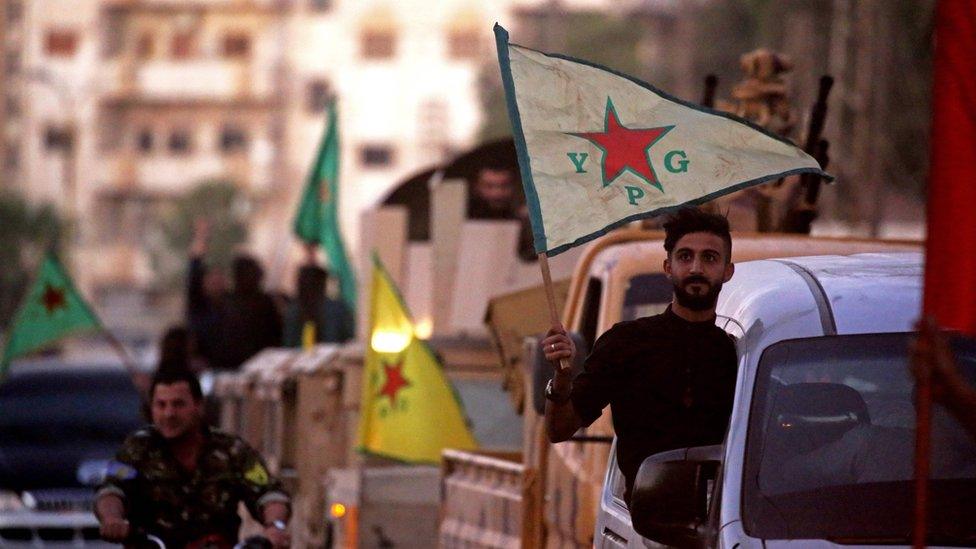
(57, 138)
(12, 62)
(113, 33)
(233, 139)
(183, 45)
(12, 106)
(60, 43)
(11, 157)
(180, 141)
(376, 155)
(15, 10)
(111, 130)
(320, 5)
(318, 96)
(378, 44)
(145, 140)
(463, 44)
(145, 45)
(237, 44)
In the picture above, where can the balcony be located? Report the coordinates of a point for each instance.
(169, 176)
(169, 6)
(207, 80)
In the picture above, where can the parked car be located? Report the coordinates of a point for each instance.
(60, 424)
(819, 449)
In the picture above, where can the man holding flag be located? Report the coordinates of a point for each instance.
(669, 379)
(598, 149)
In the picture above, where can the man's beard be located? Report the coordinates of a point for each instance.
(697, 302)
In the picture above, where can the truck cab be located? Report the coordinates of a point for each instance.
(620, 277)
(820, 444)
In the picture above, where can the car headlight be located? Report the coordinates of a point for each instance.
(10, 501)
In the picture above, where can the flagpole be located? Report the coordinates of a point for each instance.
(554, 319)
(923, 449)
(139, 379)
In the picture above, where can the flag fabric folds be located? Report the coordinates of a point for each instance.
(317, 219)
(52, 309)
(409, 410)
(598, 148)
(950, 256)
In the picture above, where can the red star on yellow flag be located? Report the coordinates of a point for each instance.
(394, 381)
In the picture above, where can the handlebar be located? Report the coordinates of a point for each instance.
(140, 539)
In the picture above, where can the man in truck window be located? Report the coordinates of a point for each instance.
(669, 379)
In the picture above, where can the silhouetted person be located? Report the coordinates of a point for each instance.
(330, 317)
(205, 290)
(249, 320)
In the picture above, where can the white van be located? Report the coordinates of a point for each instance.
(820, 445)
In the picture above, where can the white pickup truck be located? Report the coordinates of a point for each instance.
(819, 449)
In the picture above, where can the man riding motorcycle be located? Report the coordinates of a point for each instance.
(180, 480)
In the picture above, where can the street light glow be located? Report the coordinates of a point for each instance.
(388, 341)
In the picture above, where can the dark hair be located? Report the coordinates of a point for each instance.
(311, 292)
(247, 274)
(173, 376)
(693, 220)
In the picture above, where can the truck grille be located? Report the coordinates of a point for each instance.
(59, 501)
(51, 534)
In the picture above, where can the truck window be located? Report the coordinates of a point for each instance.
(647, 294)
(591, 311)
(617, 482)
(488, 407)
(831, 435)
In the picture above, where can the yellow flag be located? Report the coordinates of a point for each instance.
(409, 410)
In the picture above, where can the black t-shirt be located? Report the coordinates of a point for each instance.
(669, 383)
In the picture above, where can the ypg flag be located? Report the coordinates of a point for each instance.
(409, 410)
(598, 148)
(51, 310)
(317, 219)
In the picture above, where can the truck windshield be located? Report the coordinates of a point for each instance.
(831, 440)
(647, 294)
(51, 422)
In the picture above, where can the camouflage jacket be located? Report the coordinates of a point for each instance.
(164, 499)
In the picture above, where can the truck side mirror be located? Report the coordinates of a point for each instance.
(670, 500)
(542, 369)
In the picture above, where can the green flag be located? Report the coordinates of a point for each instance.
(52, 309)
(317, 220)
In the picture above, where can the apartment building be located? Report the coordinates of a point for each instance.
(112, 108)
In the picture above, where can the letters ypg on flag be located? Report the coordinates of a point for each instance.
(317, 219)
(409, 410)
(598, 148)
(51, 310)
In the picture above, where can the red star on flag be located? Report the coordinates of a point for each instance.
(625, 148)
(394, 381)
(53, 298)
